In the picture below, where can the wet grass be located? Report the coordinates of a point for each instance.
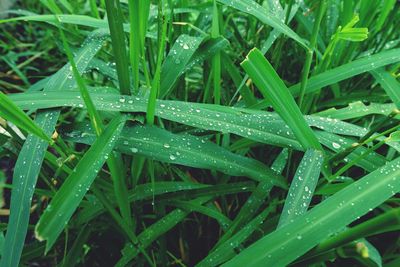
(207, 133)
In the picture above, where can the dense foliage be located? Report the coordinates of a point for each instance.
(207, 133)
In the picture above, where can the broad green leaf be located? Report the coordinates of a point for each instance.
(72, 191)
(389, 84)
(253, 8)
(276, 92)
(291, 241)
(302, 188)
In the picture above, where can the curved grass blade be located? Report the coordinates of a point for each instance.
(275, 91)
(356, 110)
(175, 63)
(115, 17)
(25, 175)
(349, 70)
(157, 229)
(260, 126)
(253, 8)
(187, 150)
(302, 187)
(226, 250)
(71, 193)
(18, 221)
(289, 242)
(389, 84)
(11, 112)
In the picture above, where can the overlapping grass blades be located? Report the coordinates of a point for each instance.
(21, 198)
(63, 204)
(275, 91)
(294, 239)
(158, 144)
(302, 187)
(267, 17)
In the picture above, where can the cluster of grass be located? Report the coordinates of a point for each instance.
(207, 133)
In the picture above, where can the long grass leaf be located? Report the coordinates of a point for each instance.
(275, 91)
(389, 84)
(187, 150)
(302, 187)
(64, 203)
(253, 8)
(25, 175)
(294, 239)
(9, 111)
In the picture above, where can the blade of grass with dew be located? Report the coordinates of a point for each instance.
(175, 63)
(243, 122)
(389, 84)
(349, 70)
(385, 222)
(25, 174)
(286, 244)
(339, 143)
(115, 17)
(276, 92)
(253, 8)
(187, 150)
(114, 161)
(358, 109)
(63, 204)
(206, 50)
(302, 187)
(33, 158)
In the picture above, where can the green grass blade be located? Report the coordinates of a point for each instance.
(226, 250)
(25, 175)
(275, 91)
(294, 239)
(358, 109)
(157, 229)
(161, 145)
(248, 210)
(348, 70)
(243, 122)
(63, 205)
(252, 8)
(156, 83)
(302, 187)
(115, 17)
(389, 84)
(176, 61)
(114, 162)
(11, 112)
